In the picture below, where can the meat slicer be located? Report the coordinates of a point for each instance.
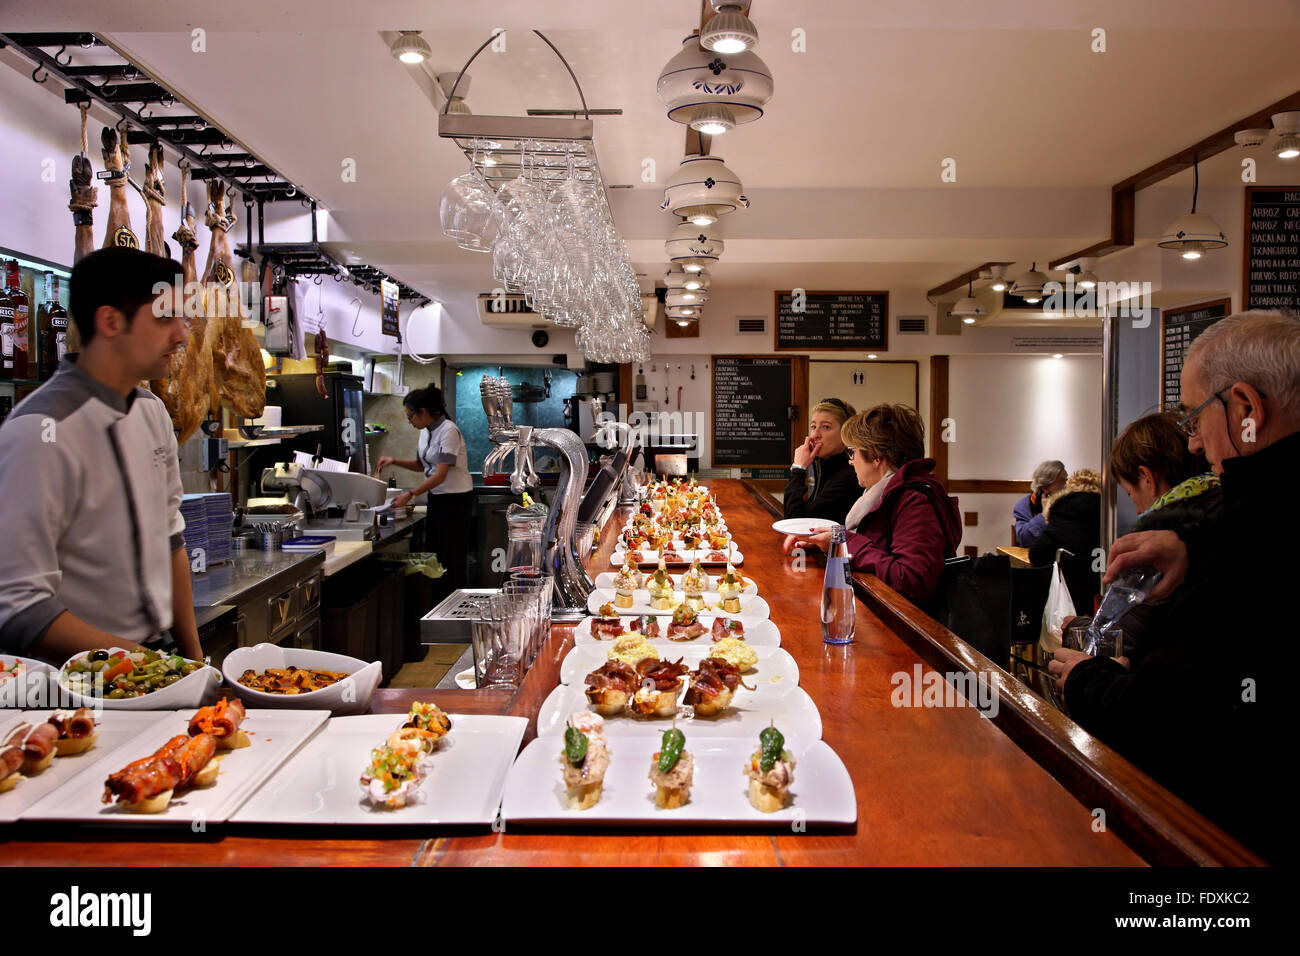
(323, 494)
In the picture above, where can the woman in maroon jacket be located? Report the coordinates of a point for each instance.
(905, 525)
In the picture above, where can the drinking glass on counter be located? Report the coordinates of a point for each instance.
(533, 591)
(495, 639)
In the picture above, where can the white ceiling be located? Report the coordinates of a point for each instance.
(843, 170)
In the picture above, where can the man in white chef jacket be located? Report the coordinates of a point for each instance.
(93, 553)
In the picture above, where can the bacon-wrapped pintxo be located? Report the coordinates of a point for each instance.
(75, 729)
(146, 785)
(11, 761)
(221, 721)
(610, 686)
(660, 683)
(712, 685)
(38, 745)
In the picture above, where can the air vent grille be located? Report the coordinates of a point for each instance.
(751, 325)
(912, 324)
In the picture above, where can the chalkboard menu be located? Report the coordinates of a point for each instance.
(1178, 330)
(390, 297)
(751, 423)
(834, 321)
(1272, 271)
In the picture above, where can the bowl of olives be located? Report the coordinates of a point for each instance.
(118, 679)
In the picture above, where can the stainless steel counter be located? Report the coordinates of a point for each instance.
(248, 571)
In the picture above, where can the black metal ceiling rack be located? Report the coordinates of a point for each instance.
(126, 83)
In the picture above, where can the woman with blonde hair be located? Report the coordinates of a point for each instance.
(823, 458)
(904, 525)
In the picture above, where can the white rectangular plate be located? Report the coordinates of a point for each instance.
(794, 712)
(116, 728)
(322, 783)
(606, 580)
(275, 735)
(822, 792)
(751, 606)
(650, 559)
(757, 633)
(775, 670)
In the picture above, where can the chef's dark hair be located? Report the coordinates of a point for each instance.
(427, 399)
(123, 278)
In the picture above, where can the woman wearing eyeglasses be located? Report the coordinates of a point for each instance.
(441, 456)
(904, 525)
(823, 457)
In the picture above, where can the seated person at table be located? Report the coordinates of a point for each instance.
(1169, 486)
(1200, 712)
(834, 484)
(1074, 523)
(1049, 478)
(904, 525)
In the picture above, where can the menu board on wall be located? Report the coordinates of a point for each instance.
(390, 297)
(832, 321)
(1271, 276)
(751, 402)
(1178, 330)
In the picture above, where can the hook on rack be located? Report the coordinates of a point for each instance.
(59, 54)
(355, 333)
(38, 70)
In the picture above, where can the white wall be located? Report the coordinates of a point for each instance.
(1012, 412)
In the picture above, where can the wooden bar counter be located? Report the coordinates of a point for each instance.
(934, 785)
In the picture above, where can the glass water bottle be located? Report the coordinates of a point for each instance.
(837, 592)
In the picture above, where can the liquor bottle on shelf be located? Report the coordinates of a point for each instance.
(6, 334)
(837, 592)
(21, 309)
(52, 329)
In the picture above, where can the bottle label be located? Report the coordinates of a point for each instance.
(837, 573)
(125, 238)
(60, 344)
(20, 327)
(7, 333)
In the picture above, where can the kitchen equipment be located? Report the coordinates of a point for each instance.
(343, 436)
(449, 622)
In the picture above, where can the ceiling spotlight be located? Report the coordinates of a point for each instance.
(1196, 233)
(693, 283)
(1287, 126)
(871, 355)
(683, 322)
(967, 308)
(730, 31)
(411, 48)
(1029, 286)
(996, 273)
(713, 120)
(700, 215)
(1086, 279)
(1057, 355)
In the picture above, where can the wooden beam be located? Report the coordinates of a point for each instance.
(1122, 218)
(987, 486)
(938, 412)
(956, 282)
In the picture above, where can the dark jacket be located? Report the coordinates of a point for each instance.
(1200, 713)
(1028, 516)
(1195, 511)
(835, 488)
(1073, 523)
(905, 539)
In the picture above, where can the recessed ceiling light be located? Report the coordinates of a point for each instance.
(411, 48)
(969, 319)
(871, 355)
(1057, 355)
(997, 273)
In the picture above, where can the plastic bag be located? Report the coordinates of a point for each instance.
(1059, 608)
(417, 562)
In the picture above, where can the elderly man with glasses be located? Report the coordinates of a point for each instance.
(1199, 713)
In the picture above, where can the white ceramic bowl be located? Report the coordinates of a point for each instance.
(349, 696)
(28, 689)
(195, 690)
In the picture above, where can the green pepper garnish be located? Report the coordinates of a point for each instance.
(772, 744)
(670, 751)
(575, 745)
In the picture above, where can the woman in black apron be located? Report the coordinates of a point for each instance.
(441, 456)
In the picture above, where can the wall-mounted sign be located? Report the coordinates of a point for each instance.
(832, 321)
(1178, 330)
(1271, 273)
(751, 411)
(390, 297)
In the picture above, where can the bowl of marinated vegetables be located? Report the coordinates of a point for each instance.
(145, 679)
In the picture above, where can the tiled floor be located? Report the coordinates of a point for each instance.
(433, 668)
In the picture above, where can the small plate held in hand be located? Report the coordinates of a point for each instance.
(802, 525)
